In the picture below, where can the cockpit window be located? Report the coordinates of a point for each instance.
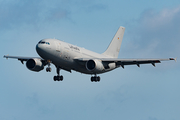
(48, 43)
(42, 42)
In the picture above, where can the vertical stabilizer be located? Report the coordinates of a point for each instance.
(114, 47)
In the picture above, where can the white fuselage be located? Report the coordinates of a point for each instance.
(70, 57)
(64, 54)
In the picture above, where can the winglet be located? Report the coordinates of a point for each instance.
(175, 59)
(6, 56)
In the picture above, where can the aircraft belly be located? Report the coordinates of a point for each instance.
(82, 69)
(62, 63)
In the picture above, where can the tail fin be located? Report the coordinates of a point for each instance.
(114, 47)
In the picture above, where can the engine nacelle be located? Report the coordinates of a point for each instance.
(94, 66)
(35, 64)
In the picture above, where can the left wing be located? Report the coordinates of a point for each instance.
(123, 62)
(22, 59)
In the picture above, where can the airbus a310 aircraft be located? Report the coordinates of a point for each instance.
(70, 57)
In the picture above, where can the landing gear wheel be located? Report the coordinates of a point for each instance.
(58, 78)
(48, 69)
(98, 78)
(92, 79)
(95, 79)
(55, 78)
(61, 78)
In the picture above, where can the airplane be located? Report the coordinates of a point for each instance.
(69, 57)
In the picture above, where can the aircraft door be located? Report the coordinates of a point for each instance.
(57, 46)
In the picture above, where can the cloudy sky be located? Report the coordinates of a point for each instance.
(145, 93)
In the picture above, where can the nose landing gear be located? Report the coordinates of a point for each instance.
(48, 69)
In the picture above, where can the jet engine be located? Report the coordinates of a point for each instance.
(35, 64)
(94, 66)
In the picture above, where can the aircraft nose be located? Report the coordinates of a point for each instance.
(39, 49)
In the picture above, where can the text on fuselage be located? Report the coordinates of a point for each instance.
(74, 47)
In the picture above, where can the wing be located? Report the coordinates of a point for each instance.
(123, 62)
(22, 59)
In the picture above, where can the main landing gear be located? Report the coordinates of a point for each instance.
(48, 69)
(95, 79)
(58, 77)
